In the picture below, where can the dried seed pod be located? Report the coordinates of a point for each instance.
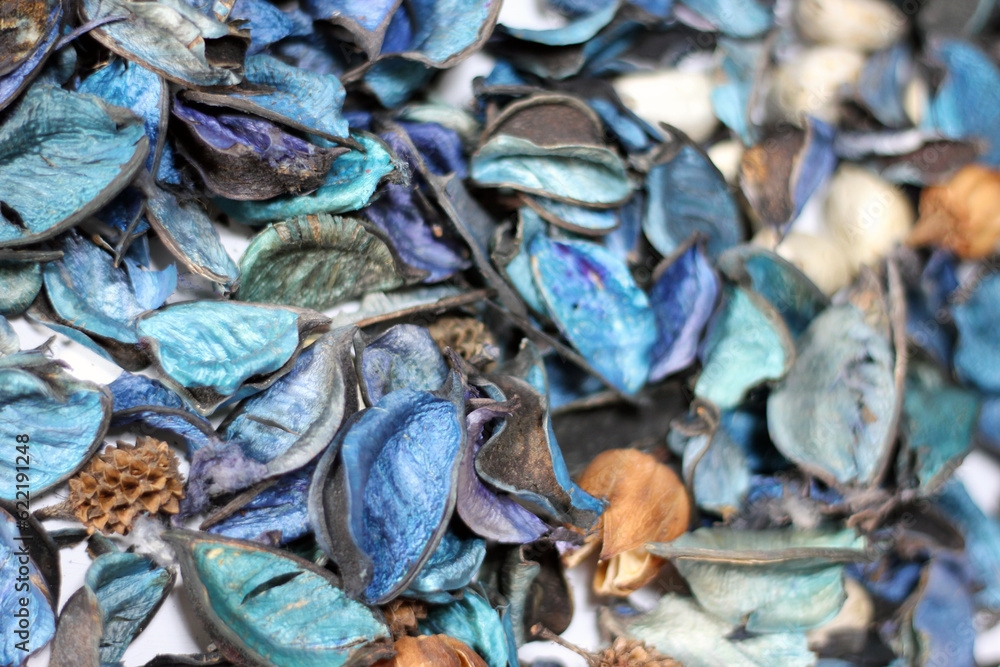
(432, 651)
(962, 215)
(647, 502)
(466, 335)
(623, 652)
(402, 615)
(126, 481)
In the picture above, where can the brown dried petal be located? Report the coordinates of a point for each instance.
(962, 215)
(627, 572)
(647, 501)
(432, 651)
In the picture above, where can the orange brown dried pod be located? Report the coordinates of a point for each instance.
(432, 651)
(124, 482)
(962, 215)
(402, 616)
(647, 502)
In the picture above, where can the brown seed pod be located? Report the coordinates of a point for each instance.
(962, 215)
(124, 482)
(432, 651)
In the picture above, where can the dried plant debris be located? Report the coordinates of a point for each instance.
(705, 290)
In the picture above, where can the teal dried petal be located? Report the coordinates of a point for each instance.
(594, 301)
(772, 581)
(473, 621)
(13, 595)
(719, 468)
(833, 412)
(129, 589)
(981, 534)
(680, 628)
(171, 38)
(577, 219)
(348, 186)
(271, 608)
(317, 261)
(736, 18)
(62, 157)
(575, 174)
(963, 106)
(451, 567)
(67, 419)
(977, 357)
(746, 344)
(511, 256)
(208, 350)
(22, 281)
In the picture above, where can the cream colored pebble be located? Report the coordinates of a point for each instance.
(820, 258)
(868, 25)
(815, 83)
(679, 98)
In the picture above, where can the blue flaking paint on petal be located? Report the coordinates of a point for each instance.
(39, 608)
(746, 344)
(832, 413)
(134, 87)
(220, 344)
(286, 610)
(68, 419)
(314, 101)
(473, 621)
(977, 357)
(129, 588)
(688, 195)
(401, 461)
(90, 293)
(736, 18)
(280, 508)
(60, 155)
(452, 566)
(349, 186)
(133, 392)
(682, 297)
(965, 103)
(592, 297)
(982, 540)
(583, 174)
(404, 357)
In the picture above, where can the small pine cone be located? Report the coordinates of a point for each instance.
(466, 335)
(632, 653)
(124, 482)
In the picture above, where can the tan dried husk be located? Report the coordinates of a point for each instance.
(124, 482)
(432, 651)
(962, 215)
(402, 616)
(466, 335)
(647, 502)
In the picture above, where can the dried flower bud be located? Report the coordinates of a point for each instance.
(962, 215)
(432, 651)
(466, 335)
(124, 482)
(622, 652)
(402, 615)
(647, 502)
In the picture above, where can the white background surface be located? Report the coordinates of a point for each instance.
(174, 629)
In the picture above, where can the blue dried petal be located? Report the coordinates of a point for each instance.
(981, 534)
(439, 147)
(142, 399)
(719, 468)
(366, 20)
(91, 294)
(62, 157)
(963, 107)
(348, 186)
(579, 174)
(736, 18)
(22, 281)
(67, 419)
(943, 616)
(170, 40)
(977, 357)
(394, 80)
(882, 83)
(272, 607)
(939, 421)
(279, 509)
(730, 102)
(186, 230)
(597, 306)
(623, 241)
(133, 87)
(15, 80)
(788, 290)
(833, 412)
(567, 382)
(473, 621)
(635, 134)
(124, 210)
(924, 302)
(888, 578)
(292, 421)
(746, 344)
(452, 566)
(439, 32)
(31, 589)
(577, 31)
(219, 345)
(267, 24)
(682, 297)
(129, 589)
(404, 357)
(518, 268)
(589, 221)
(400, 466)
(688, 195)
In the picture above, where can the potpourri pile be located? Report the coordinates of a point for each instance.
(699, 294)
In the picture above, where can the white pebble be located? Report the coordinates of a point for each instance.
(679, 98)
(815, 83)
(868, 25)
